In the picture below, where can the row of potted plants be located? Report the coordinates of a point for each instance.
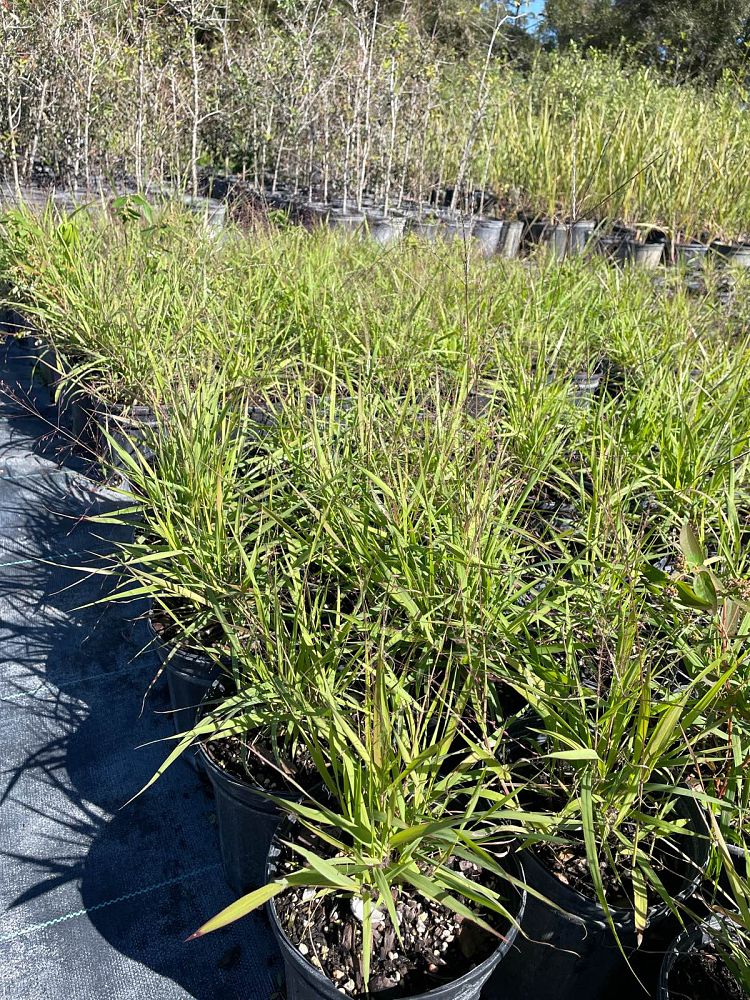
(319, 718)
(645, 246)
(416, 639)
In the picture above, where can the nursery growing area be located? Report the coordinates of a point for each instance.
(442, 563)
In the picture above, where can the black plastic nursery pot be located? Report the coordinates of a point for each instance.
(737, 254)
(346, 222)
(609, 247)
(565, 239)
(247, 821)
(683, 945)
(509, 242)
(190, 674)
(581, 234)
(132, 429)
(425, 229)
(691, 254)
(456, 229)
(585, 387)
(691, 940)
(44, 358)
(75, 409)
(305, 982)
(573, 955)
(487, 233)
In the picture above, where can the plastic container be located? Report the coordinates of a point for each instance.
(692, 254)
(133, 430)
(385, 230)
(454, 228)
(190, 674)
(509, 243)
(345, 222)
(692, 939)
(736, 254)
(247, 821)
(572, 955)
(487, 233)
(425, 229)
(305, 982)
(647, 256)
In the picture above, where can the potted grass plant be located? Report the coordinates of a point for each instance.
(325, 568)
(394, 878)
(189, 510)
(630, 840)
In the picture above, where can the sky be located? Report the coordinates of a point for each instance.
(536, 7)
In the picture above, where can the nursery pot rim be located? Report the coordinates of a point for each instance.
(588, 908)
(291, 954)
(170, 651)
(239, 787)
(686, 943)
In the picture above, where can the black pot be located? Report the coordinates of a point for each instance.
(190, 674)
(585, 387)
(572, 955)
(692, 939)
(647, 256)
(455, 229)
(487, 233)
(385, 229)
(425, 229)
(581, 233)
(133, 429)
(557, 236)
(75, 409)
(566, 239)
(737, 254)
(346, 222)
(45, 360)
(535, 229)
(609, 247)
(305, 982)
(247, 821)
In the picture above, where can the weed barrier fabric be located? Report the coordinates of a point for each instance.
(95, 899)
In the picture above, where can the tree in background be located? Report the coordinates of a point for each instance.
(685, 37)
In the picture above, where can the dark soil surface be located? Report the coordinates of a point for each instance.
(169, 632)
(568, 862)
(569, 865)
(703, 976)
(259, 760)
(437, 947)
(252, 759)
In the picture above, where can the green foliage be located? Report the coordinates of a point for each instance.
(379, 501)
